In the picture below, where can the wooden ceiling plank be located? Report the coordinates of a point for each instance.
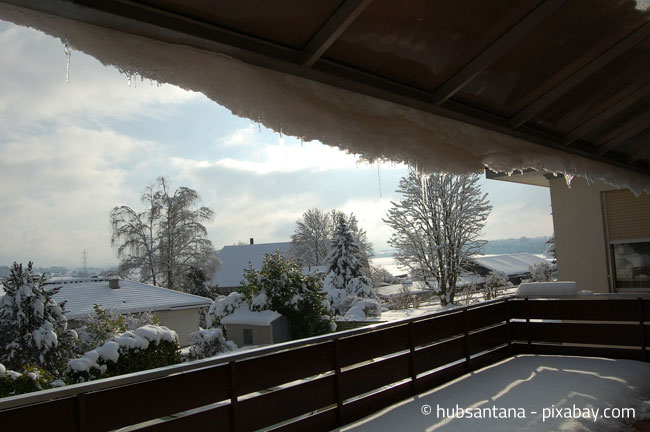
(628, 42)
(496, 50)
(641, 154)
(601, 120)
(625, 136)
(334, 27)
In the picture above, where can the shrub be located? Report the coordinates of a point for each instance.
(147, 347)
(541, 271)
(29, 380)
(208, 343)
(495, 283)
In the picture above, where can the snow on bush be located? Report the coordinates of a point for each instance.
(495, 283)
(542, 271)
(147, 347)
(361, 309)
(29, 380)
(33, 328)
(208, 343)
(224, 306)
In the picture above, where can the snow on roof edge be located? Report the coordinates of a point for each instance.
(310, 110)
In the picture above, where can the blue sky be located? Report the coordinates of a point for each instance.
(70, 152)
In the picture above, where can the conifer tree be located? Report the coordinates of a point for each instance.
(33, 327)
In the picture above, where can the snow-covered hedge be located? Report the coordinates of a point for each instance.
(145, 348)
(208, 343)
(224, 306)
(30, 379)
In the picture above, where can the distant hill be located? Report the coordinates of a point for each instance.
(535, 245)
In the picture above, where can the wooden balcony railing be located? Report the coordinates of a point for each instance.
(321, 383)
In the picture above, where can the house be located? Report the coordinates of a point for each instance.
(602, 233)
(515, 266)
(246, 327)
(177, 310)
(237, 258)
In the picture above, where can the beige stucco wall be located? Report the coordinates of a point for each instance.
(580, 240)
(183, 322)
(262, 335)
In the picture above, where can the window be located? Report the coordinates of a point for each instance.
(631, 264)
(248, 336)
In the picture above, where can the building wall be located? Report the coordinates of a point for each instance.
(580, 239)
(262, 335)
(183, 322)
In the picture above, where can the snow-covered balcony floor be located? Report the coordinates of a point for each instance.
(527, 393)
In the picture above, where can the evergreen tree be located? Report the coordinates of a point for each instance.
(280, 286)
(33, 328)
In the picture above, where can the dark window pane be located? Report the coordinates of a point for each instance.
(632, 264)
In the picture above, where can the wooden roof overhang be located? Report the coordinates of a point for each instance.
(572, 75)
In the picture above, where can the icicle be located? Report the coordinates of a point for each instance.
(66, 49)
(259, 126)
(281, 133)
(568, 178)
(379, 175)
(129, 79)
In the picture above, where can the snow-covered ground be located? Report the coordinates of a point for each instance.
(527, 393)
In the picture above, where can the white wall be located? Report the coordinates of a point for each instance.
(183, 322)
(580, 240)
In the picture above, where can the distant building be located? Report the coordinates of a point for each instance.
(237, 258)
(245, 327)
(177, 310)
(515, 266)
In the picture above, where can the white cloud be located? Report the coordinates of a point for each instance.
(516, 220)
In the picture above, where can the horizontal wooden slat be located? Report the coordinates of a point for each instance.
(488, 339)
(550, 349)
(596, 334)
(204, 420)
(281, 405)
(57, 415)
(360, 408)
(363, 379)
(434, 329)
(439, 355)
(484, 316)
(321, 422)
(489, 358)
(588, 310)
(356, 349)
(439, 377)
(156, 398)
(287, 366)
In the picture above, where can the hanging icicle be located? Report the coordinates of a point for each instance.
(568, 178)
(66, 49)
(379, 175)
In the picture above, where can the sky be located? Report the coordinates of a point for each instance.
(71, 151)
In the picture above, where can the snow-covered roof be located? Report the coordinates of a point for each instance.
(510, 264)
(130, 297)
(235, 259)
(247, 317)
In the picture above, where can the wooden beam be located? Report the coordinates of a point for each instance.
(332, 29)
(600, 121)
(496, 50)
(629, 133)
(641, 154)
(591, 68)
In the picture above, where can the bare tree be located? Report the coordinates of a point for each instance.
(166, 241)
(436, 227)
(312, 239)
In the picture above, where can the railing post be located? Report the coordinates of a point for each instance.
(466, 340)
(508, 329)
(339, 388)
(234, 426)
(82, 420)
(412, 358)
(644, 342)
(528, 326)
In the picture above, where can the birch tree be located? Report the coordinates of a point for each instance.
(436, 227)
(167, 240)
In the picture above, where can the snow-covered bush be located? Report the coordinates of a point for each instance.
(208, 343)
(224, 306)
(145, 348)
(344, 281)
(495, 283)
(541, 272)
(103, 324)
(361, 309)
(280, 286)
(29, 380)
(33, 328)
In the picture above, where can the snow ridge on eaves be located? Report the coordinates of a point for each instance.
(373, 128)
